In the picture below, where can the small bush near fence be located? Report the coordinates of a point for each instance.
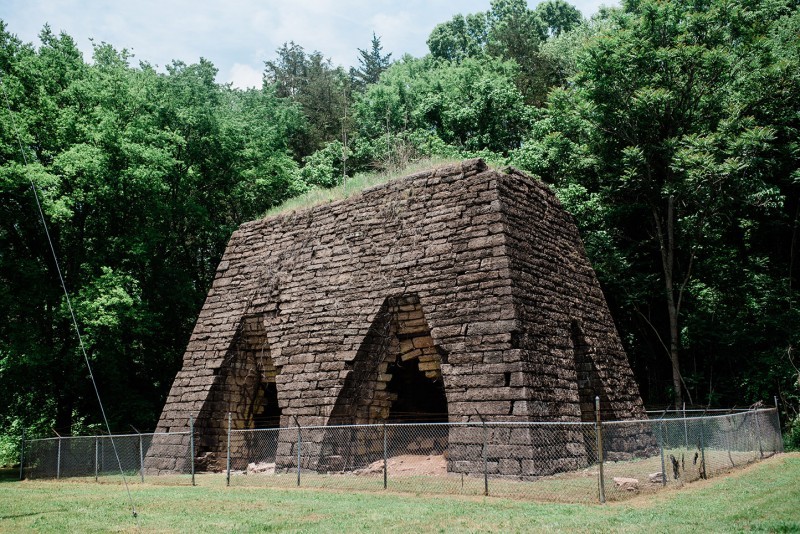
(792, 437)
(561, 462)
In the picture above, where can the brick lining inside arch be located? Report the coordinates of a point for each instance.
(398, 354)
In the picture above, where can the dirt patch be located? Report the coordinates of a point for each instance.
(407, 465)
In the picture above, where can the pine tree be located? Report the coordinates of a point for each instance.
(372, 64)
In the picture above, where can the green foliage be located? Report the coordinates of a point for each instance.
(459, 38)
(10, 441)
(142, 178)
(323, 168)
(471, 105)
(668, 129)
(673, 152)
(791, 438)
(319, 89)
(559, 16)
(512, 32)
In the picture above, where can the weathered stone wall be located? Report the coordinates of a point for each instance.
(479, 275)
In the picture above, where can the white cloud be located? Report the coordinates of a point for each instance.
(244, 76)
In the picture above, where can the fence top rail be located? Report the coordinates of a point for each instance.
(694, 418)
(499, 423)
(401, 425)
(700, 410)
(730, 413)
(109, 436)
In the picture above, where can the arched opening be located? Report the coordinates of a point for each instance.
(246, 389)
(396, 377)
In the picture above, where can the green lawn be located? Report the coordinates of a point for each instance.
(764, 497)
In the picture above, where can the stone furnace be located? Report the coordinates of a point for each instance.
(448, 295)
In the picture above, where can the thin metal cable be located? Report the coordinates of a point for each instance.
(66, 296)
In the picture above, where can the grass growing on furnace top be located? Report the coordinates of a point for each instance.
(762, 497)
(354, 185)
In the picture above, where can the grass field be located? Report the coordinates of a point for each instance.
(764, 497)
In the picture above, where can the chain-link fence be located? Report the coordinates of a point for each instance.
(553, 461)
(687, 449)
(543, 461)
(104, 456)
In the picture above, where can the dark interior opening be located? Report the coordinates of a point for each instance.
(419, 398)
(583, 370)
(270, 413)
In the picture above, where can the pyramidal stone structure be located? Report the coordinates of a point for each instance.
(452, 294)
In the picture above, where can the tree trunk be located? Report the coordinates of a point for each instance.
(667, 244)
(674, 345)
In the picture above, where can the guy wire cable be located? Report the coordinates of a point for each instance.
(66, 296)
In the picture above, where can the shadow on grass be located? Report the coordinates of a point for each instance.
(31, 514)
(9, 474)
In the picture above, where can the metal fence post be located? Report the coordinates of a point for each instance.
(191, 446)
(661, 446)
(485, 459)
(685, 427)
(779, 447)
(141, 458)
(485, 453)
(385, 459)
(96, 456)
(22, 456)
(704, 472)
(58, 460)
(299, 445)
(228, 459)
(599, 430)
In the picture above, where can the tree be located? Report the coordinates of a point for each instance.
(515, 31)
(142, 178)
(459, 38)
(559, 16)
(288, 73)
(510, 31)
(473, 105)
(371, 64)
(321, 91)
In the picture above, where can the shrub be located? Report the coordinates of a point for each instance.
(791, 438)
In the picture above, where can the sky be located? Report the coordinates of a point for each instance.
(239, 35)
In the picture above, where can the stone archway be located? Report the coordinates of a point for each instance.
(397, 361)
(396, 376)
(246, 388)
